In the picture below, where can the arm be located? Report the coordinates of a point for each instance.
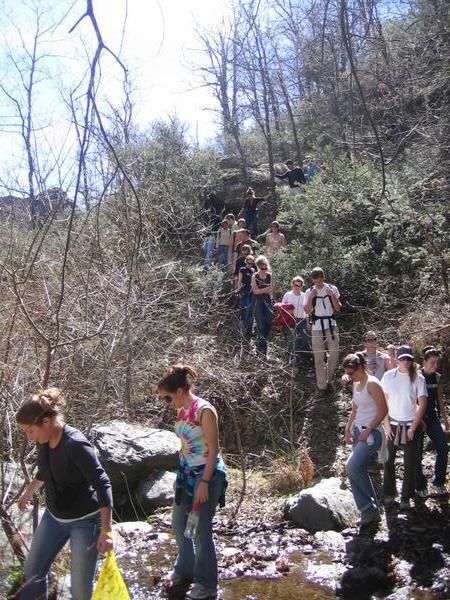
(348, 427)
(334, 299)
(386, 422)
(239, 281)
(284, 176)
(30, 490)
(420, 411)
(210, 428)
(283, 241)
(308, 304)
(376, 391)
(441, 406)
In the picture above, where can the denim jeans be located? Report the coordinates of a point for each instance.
(246, 313)
(48, 539)
(263, 312)
(208, 249)
(300, 343)
(437, 436)
(197, 558)
(409, 467)
(223, 253)
(251, 222)
(356, 468)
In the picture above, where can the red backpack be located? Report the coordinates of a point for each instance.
(284, 317)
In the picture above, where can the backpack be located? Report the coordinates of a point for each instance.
(284, 317)
(313, 318)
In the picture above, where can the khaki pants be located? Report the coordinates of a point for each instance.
(325, 371)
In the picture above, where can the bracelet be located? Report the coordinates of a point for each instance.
(205, 481)
(107, 534)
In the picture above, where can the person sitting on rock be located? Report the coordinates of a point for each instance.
(294, 176)
(365, 432)
(250, 210)
(200, 485)
(275, 240)
(406, 394)
(78, 498)
(434, 413)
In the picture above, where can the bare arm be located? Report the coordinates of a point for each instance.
(30, 490)
(258, 291)
(386, 422)
(239, 281)
(348, 427)
(211, 430)
(308, 304)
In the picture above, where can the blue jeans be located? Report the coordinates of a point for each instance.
(300, 343)
(197, 558)
(437, 436)
(223, 253)
(208, 249)
(246, 304)
(48, 539)
(251, 222)
(263, 312)
(356, 468)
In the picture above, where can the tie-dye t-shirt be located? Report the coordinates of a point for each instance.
(194, 449)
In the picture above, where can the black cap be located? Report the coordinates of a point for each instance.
(405, 352)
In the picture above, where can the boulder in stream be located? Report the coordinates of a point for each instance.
(323, 507)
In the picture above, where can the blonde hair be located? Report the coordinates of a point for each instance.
(46, 403)
(262, 260)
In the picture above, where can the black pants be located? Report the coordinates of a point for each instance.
(409, 465)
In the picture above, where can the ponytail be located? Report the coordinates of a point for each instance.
(355, 361)
(178, 376)
(44, 404)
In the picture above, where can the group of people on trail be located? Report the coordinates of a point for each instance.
(78, 493)
(393, 406)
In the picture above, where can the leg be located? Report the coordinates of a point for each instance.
(389, 487)
(356, 468)
(303, 344)
(421, 480)
(83, 556)
(409, 466)
(205, 569)
(333, 349)
(318, 347)
(261, 342)
(184, 564)
(437, 435)
(48, 539)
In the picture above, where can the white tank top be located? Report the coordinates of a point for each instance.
(367, 408)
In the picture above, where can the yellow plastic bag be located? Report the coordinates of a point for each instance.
(110, 584)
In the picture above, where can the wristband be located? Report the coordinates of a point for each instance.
(205, 481)
(107, 534)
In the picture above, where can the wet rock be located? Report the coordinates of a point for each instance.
(323, 507)
(129, 453)
(156, 491)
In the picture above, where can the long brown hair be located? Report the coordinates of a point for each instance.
(178, 376)
(46, 403)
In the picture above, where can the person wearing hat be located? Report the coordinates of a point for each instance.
(406, 395)
(434, 413)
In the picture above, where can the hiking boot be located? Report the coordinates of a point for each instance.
(439, 490)
(422, 493)
(200, 592)
(371, 515)
(405, 504)
(177, 586)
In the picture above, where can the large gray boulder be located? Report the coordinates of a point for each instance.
(129, 452)
(323, 507)
(156, 491)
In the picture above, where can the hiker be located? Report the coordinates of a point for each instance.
(223, 240)
(434, 413)
(377, 362)
(246, 250)
(321, 302)
(311, 171)
(244, 291)
(250, 210)
(233, 226)
(295, 177)
(241, 223)
(391, 352)
(200, 484)
(406, 395)
(275, 240)
(262, 285)
(300, 342)
(365, 432)
(208, 249)
(77, 496)
(245, 239)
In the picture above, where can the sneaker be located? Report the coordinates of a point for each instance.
(200, 592)
(439, 490)
(422, 493)
(405, 504)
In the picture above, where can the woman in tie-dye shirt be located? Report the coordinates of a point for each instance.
(201, 481)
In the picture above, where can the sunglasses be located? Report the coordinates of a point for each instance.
(297, 285)
(263, 268)
(370, 340)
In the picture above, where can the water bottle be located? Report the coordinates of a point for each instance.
(192, 521)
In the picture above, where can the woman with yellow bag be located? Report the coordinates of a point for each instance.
(78, 498)
(200, 486)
